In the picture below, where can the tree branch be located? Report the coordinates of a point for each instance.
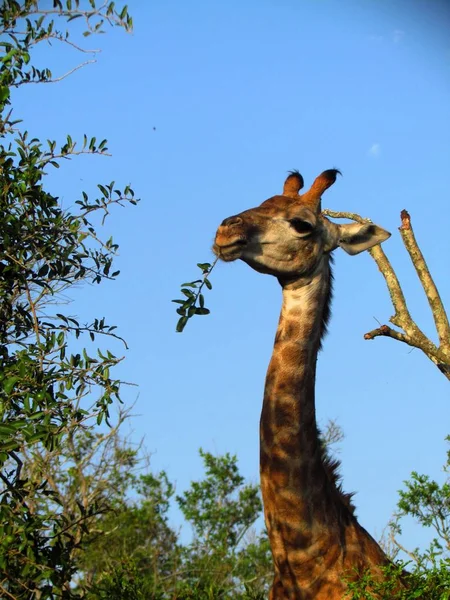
(430, 289)
(412, 334)
(56, 79)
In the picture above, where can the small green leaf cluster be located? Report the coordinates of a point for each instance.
(194, 301)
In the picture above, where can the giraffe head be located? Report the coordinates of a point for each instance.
(287, 236)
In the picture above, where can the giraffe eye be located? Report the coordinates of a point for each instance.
(301, 226)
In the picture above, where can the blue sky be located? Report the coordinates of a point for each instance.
(206, 106)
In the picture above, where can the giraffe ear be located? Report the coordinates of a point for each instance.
(357, 237)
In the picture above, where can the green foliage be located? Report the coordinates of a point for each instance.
(125, 545)
(47, 390)
(426, 575)
(430, 583)
(221, 509)
(193, 294)
(429, 503)
(139, 555)
(123, 537)
(124, 582)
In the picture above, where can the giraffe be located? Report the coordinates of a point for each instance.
(315, 538)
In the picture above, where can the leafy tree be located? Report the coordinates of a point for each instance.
(218, 507)
(221, 508)
(428, 503)
(130, 549)
(48, 391)
(128, 532)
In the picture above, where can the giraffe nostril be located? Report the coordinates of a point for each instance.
(232, 221)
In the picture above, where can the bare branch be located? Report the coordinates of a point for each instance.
(58, 36)
(332, 434)
(5, 591)
(68, 155)
(431, 292)
(412, 334)
(389, 332)
(56, 79)
(396, 543)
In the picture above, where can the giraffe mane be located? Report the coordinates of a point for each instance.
(326, 314)
(332, 465)
(332, 469)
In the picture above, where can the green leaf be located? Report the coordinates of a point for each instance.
(187, 293)
(6, 430)
(4, 93)
(103, 190)
(43, 270)
(181, 324)
(193, 284)
(9, 445)
(204, 266)
(9, 384)
(37, 415)
(8, 56)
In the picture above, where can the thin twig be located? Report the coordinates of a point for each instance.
(80, 66)
(386, 331)
(5, 591)
(35, 322)
(90, 330)
(68, 156)
(58, 36)
(401, 547)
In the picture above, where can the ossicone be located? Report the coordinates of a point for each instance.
(293, 184)
(319, 186)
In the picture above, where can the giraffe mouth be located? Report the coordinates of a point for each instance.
(229, 251)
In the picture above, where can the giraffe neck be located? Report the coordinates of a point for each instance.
(315, 539)
(299, 492)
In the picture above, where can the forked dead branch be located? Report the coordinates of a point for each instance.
(410, 333)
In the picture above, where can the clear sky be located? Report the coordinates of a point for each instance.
(206, 107)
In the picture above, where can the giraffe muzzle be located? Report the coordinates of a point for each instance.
(230, 241)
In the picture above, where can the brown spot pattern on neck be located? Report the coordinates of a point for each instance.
(310, 521)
